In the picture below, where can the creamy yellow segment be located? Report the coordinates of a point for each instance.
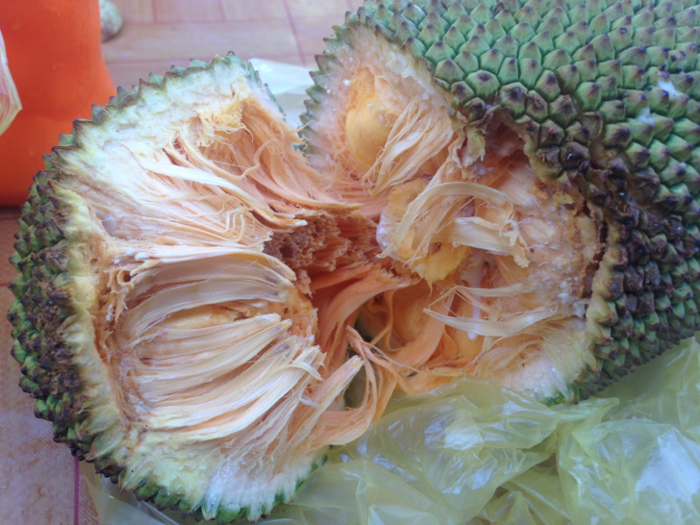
(504, 261)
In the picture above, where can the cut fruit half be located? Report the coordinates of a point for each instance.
(156, 323)
(513, 179)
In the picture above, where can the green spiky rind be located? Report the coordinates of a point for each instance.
(43, 309)
(607, 95)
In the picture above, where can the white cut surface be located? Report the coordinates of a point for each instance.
(201, 362)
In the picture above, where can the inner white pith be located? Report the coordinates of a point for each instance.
(223, 393)
(500, 264)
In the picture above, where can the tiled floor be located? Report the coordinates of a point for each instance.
(159, 33)
(39, 480)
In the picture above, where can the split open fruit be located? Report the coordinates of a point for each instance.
(506, 190)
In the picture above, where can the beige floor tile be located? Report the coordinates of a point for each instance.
(86, 509)
(188, 11)
(9, 211)
(301, 9)
(8, 227)
(202, 41)
(127, 74)
(136, 11)
(237, 10)
(37, 484)
(311, 32)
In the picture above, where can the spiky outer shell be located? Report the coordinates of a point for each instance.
(53, 312)
(606, 96)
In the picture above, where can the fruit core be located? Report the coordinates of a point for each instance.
(494, 265)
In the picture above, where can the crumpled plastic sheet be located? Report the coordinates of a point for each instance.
(10, 104)
(472, 452)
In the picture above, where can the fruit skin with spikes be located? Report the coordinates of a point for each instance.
(606, 98)
(69, 360)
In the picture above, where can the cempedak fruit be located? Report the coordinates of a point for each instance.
(153, 323)
(502, 189)
(536, 165)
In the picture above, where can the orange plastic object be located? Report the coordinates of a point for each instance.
(54, 50)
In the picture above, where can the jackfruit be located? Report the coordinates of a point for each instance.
(153, 323)
(206, 302)
(533, 167)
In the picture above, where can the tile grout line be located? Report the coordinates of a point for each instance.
(181, 23)
(290, 19)
(76, 491)
(222, 22)
(147, 60)
(222, 11)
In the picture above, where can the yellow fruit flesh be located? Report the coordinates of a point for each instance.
(502, 304)
(496, 265)
(440, 260)
(367, 128)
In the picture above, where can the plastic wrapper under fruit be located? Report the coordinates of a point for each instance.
(474, 452)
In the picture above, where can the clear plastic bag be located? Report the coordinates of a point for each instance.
(474, 452)
(10, 104)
